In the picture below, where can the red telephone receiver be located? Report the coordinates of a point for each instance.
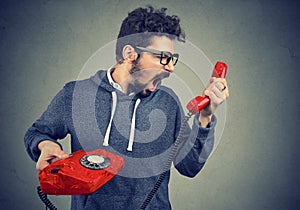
(200, 102)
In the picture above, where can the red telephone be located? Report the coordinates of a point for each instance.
(81, 173)
(200, 102)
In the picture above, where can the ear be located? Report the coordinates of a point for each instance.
(129, 53)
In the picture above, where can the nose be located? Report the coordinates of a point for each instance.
(169, 67)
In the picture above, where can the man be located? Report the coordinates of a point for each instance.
(135, 116)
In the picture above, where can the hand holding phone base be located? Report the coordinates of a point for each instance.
(81, 173)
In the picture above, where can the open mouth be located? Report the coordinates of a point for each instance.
(157, 80)
(154, 85)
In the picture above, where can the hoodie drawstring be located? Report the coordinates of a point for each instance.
(113, 109)
(132, 128)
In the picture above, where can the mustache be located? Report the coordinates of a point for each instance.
(162, 75)
(140, 88)
(136, 69)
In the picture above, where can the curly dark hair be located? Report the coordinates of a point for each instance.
(142, 24)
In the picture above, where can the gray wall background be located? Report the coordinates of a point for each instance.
(44, 44)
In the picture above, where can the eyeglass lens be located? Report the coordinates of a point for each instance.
(165, 58)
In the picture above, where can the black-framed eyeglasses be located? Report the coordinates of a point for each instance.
(165, 57)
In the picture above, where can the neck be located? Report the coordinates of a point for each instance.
(122, 76)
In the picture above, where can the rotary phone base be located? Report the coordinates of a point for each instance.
(85, 172)
(81, 173)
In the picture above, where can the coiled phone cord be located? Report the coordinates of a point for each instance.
(45, 199)
(167, 167)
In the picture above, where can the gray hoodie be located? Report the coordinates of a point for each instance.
(140, 129)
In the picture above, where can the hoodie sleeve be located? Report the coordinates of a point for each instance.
(196, 149)
(50, 126)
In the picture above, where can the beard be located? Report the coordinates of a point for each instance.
(140, 88)
(135, 86)
(135, 67)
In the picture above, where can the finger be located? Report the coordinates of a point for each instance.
(223, 80)
(219, 93)
(206, 92)
(212, 79)
(226, 90)
(54, 159)
(54, 152)
(47, 157)
(214, 99)
(57, 156)
(220, 86)
(41, 164)
(45, 161)
(211, 83)
(61, 154)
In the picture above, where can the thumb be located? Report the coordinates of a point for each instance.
(47, 157)
(206, 92)
(41, 164)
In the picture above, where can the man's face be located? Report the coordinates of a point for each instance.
(148, 72)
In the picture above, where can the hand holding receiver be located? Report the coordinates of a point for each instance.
(200, 102)
(50, 152)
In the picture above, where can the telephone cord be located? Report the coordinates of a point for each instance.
(44, 198)
(167, 167)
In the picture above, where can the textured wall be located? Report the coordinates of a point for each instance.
(44, 44)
